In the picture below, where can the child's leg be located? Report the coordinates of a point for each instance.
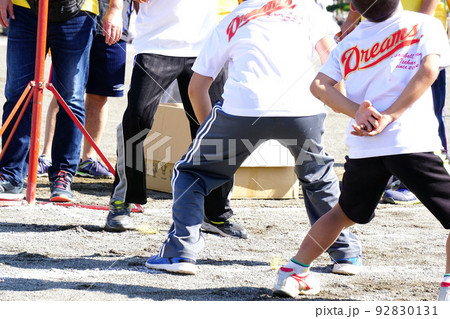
(444, 291)
(447, 266)
(362, 185)
(212, 159)
(295, 278)
(322, 235)
(320, 185)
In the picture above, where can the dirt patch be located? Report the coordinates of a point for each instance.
(59, 253)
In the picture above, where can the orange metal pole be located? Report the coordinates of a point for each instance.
(16, 124)
(41, 43)
(16, 107)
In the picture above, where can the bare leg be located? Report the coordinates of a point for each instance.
(447, 266)
(96, 118)
(322, 235)
(50, 121)
(444, 290)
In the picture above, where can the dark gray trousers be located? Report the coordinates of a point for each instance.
(222, 144)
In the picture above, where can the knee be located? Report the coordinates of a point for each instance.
(338, 217)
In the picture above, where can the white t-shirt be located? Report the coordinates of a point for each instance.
(377, 61)
(269, 46)
(174, 27)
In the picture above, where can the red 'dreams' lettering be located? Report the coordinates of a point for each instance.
(354, 57)
(267, 9)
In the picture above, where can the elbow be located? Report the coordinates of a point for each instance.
(429, 69)
(191, 91)
(198, 86)
(432, 74)
(314, 88)
(429, 72)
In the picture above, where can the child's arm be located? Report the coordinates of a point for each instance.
(428, 7)
(323, 48)
(199, 95)
(349, 24)
(419, 83)
(323, 88)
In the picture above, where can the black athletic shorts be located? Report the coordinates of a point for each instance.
(425, 174)
(106, 68)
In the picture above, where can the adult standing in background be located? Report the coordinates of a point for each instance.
(106, 79)
(69, 37)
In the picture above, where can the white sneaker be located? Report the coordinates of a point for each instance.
(290, 284)
(444, 292)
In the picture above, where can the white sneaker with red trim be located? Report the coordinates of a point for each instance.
(444, 292)
(291, 284)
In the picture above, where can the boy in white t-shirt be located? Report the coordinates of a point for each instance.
(388, 64)
(269, 46)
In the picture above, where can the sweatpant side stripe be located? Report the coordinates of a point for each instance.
(120, 190)
(196, 143)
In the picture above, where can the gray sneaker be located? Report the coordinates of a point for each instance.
(226, 228)
(61, 187)
(94, 169)
(118, 219)
(9, 189)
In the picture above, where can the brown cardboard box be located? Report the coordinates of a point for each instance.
(268, 173)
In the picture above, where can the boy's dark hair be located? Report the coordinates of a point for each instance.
(375, 10)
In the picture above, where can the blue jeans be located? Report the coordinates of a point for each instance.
(70, 43)
(438, 88)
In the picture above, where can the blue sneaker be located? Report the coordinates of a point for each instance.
(348, 266)
(10, 190)
(44, 163)
(94, 169)
(401, 196)
(172, 264)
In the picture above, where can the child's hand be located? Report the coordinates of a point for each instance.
(367, 117)
(384, 121)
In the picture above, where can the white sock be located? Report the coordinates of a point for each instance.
(297, 267)
(446, 278)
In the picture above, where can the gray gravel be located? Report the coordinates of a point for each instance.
(58, 253)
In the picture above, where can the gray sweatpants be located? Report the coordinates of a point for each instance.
(222, 144)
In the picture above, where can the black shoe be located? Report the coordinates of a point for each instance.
(60, 187)
(118, 219)
(226, 228)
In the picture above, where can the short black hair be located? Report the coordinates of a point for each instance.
(375, 10)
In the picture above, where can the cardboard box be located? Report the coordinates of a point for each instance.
(267, 173)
